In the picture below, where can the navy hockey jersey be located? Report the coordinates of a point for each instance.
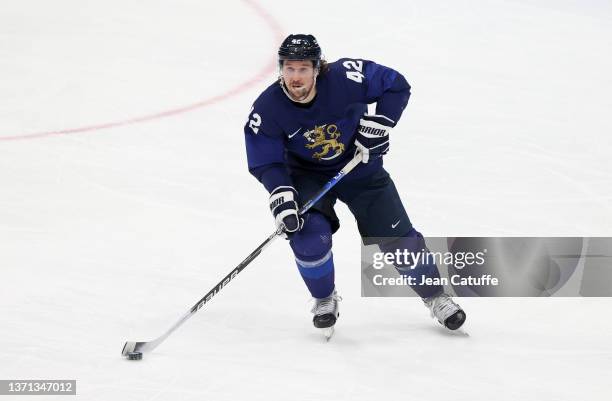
(284, 136)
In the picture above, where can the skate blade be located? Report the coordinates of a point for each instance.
(461, 332)
(328, 332)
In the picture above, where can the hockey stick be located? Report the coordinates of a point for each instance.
(145, 346)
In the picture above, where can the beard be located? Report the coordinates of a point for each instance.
(299, 91)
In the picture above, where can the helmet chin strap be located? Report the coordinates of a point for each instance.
(310, 95)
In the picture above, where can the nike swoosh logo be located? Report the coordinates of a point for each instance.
(295, 133)
(396, 223)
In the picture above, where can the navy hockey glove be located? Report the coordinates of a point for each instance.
(284, 207)
(372, 138)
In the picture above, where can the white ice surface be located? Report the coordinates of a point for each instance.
(111, 234)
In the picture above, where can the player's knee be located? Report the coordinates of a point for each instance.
(411, 244)
(314, 240)
(412, 241)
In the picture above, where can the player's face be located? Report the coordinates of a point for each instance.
(299, 78)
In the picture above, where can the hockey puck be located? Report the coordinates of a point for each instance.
(134, 356)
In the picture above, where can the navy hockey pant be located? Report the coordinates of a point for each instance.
(381, 219)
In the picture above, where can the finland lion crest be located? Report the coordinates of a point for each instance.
(326, 137)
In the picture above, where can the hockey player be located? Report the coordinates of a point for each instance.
(303, 129)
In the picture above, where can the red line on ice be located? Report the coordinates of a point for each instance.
(263, 73)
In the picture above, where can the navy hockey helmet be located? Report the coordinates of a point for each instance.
(300, 47)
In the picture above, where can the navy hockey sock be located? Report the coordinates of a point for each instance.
(318, 275)
(312, 249)
(426, 268)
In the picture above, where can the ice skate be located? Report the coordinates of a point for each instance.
(326, 313)
(446, 311)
